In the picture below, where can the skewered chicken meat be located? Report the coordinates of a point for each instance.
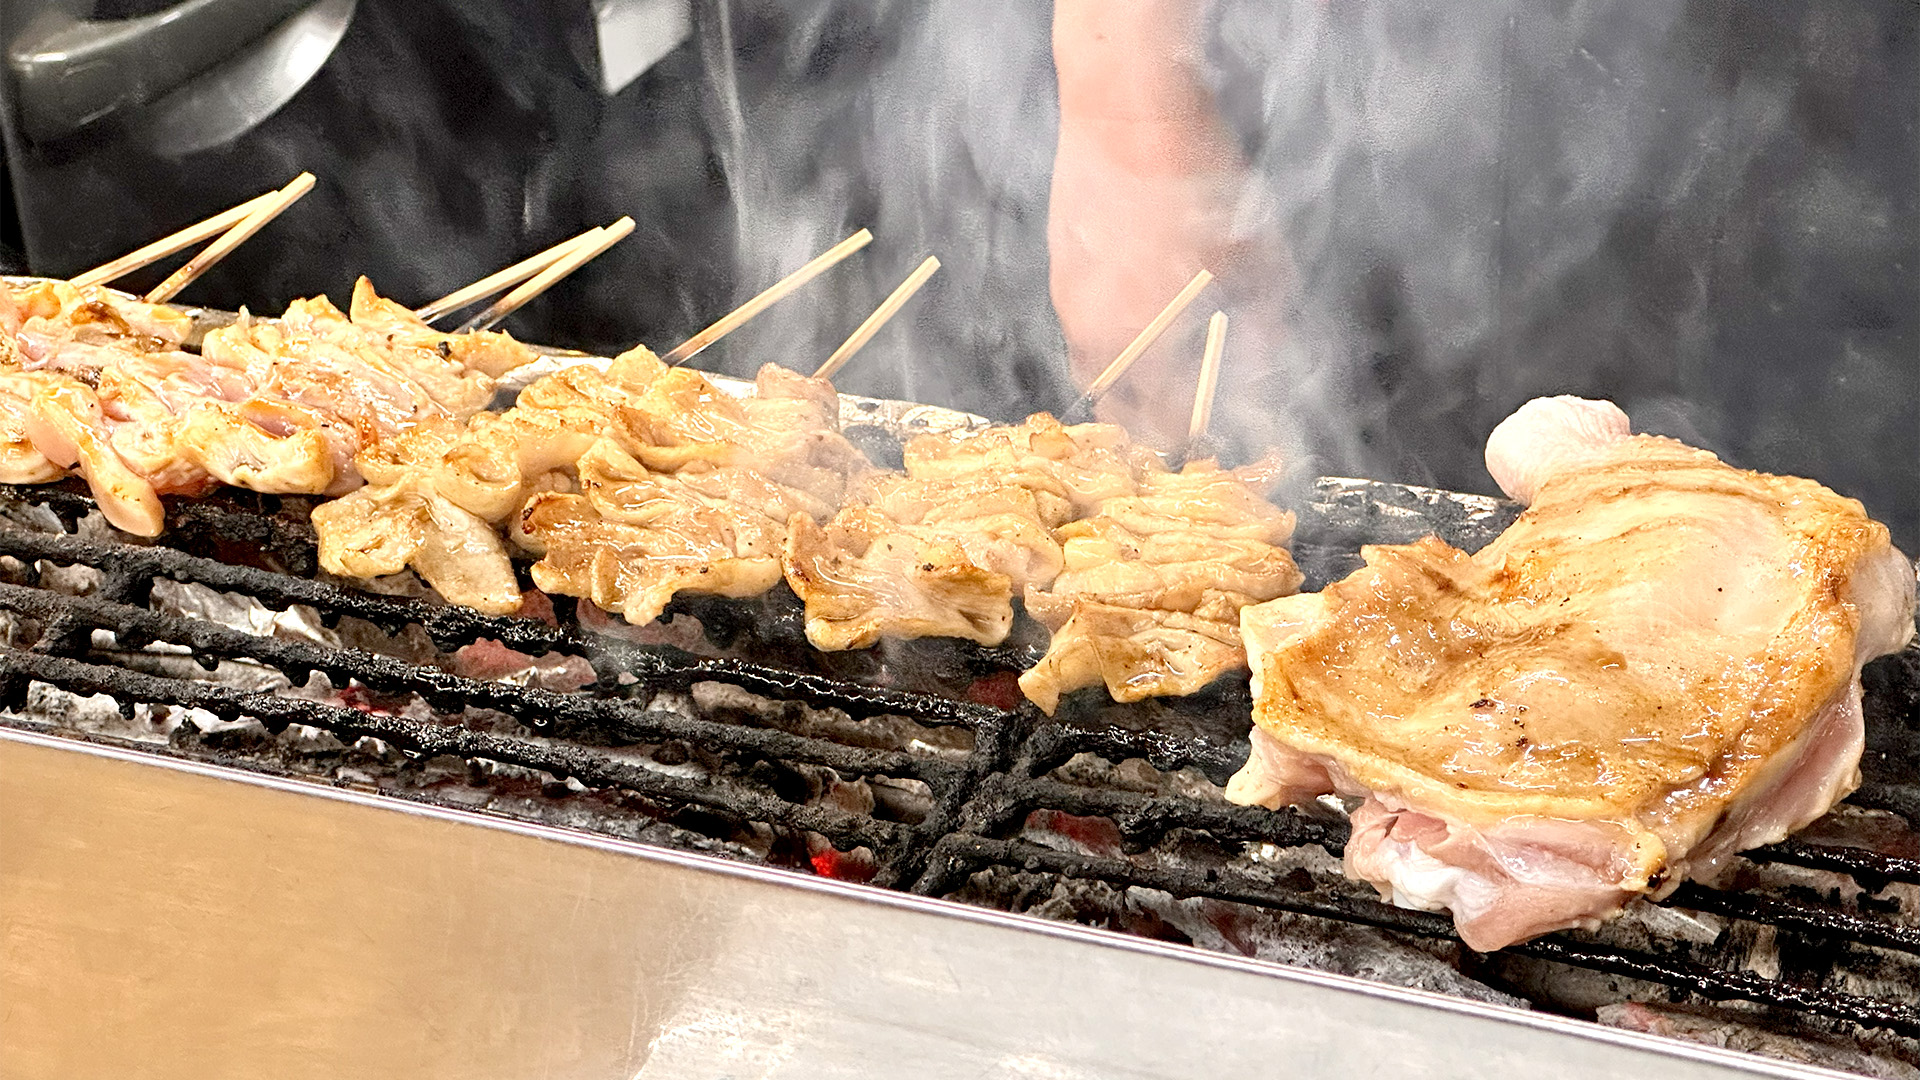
(101, 384)
(632, 486)
(942, 550)
(1655, 667)
(1149, 602)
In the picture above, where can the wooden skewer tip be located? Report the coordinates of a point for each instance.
(739, 316)
(504, 279)
(1147, 336)
(1209, 383)
(263, 213)
(589, 247)
(889, 307)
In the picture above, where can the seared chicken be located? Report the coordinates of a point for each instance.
(864, 577)
(101, 384)
(631, 486)
(942, 551)
(1149, 600)
(1655, 667)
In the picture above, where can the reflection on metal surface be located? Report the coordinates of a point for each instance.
(634, 35)
(234, 98)
(174, 920)
(69, 72)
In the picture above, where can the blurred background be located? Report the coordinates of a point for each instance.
(1708, 211)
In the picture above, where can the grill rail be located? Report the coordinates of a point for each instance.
(978, 802)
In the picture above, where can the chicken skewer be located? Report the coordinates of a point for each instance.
(631, 485)
(944, 550)
(103, 385)
(1149, 599)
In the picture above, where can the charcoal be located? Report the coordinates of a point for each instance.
(914, 766)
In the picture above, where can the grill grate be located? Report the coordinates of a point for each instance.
(974, 794)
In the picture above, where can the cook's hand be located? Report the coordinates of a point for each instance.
(1145, 183)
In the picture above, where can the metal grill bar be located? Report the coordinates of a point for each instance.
(130, 688)
(955, 856)
(451, 627)
(977, 802)
(1870, 868)
(557, 714)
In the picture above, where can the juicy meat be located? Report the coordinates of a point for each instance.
(387, 529)
(1138, 653)
(634, 538)
(941, 551)
(630, 485)
(1655, 667)
(102, 384)
(1083, 463)
(864, 577)
(1149, 600)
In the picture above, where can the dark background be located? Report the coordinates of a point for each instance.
(1706, 210)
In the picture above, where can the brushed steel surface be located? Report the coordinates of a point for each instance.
(169, 919)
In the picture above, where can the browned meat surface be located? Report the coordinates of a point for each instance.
(1149, 600)
(942, 551)
(630, 485)
(865, 577)
(102, 384)
(1657, 666)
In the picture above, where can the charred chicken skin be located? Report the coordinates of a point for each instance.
(1657, 666)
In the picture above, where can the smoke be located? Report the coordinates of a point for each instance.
(1703, 210)
(933, 125)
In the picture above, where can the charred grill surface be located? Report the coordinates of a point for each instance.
(915, 768)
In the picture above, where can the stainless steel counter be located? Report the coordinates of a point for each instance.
(161, 919)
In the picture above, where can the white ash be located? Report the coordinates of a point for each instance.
(243, 613)
(1135, 774)
(728, 703)
(67, 580)
(1734, 1028)
(1285, 938)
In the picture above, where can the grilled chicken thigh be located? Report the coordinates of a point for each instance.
(1655, 667)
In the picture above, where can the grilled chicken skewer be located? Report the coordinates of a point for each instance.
(1149, 601)
(632, 484)
(101, 384)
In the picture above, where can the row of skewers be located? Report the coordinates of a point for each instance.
(635, 483)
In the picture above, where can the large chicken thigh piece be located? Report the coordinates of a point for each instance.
(1655, 667)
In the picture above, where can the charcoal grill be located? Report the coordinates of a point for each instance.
(911, 769)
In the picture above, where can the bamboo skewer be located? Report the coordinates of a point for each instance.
(1140, 344)
(887, 309)
(254, 221)
(738, 317)
(585, 248)
(1209, 379)
(511, 276)
(167, 245)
